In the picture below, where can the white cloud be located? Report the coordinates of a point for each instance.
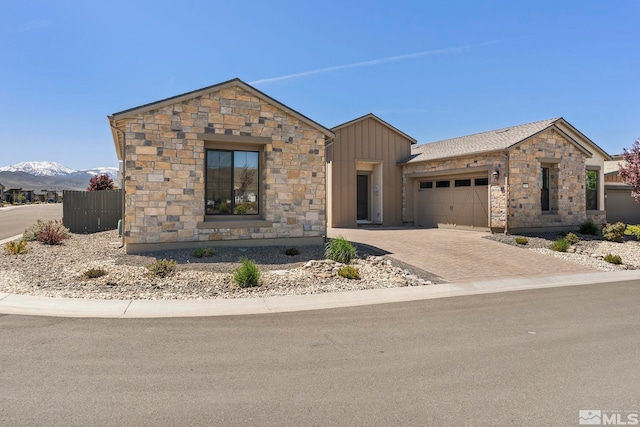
(372, 62)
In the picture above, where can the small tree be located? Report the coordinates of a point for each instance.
(630, 170)
(100, 182)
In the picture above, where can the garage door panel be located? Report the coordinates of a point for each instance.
(462, 206)
(620, 206)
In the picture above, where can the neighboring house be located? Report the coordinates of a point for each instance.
(225, 164)
(542, 175)
(2, 187)
(18, 195)
(364, 181)
(619, 203)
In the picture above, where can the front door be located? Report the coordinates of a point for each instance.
(363, 197)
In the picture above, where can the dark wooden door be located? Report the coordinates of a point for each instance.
(363, 197)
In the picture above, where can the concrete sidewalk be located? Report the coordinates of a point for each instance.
(459, 256)
(68, 307)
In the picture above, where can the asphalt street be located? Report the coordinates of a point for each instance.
(516, 358)
(13, 221)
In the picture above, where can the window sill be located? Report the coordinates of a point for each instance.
(595, 212)
(247, 223)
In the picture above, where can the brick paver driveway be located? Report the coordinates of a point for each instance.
(459, 256)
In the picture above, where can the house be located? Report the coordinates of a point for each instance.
(18, 195)
(364, 181)
(541, 175)
(226, 164)
(2, 187)
(229, 165)
(620, 205)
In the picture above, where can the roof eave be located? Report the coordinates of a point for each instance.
(378, 119)
(133, 112)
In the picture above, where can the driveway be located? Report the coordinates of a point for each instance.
(458, 256)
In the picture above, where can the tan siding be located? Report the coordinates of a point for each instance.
(368, 141)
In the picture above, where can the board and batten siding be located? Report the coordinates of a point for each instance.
(367, 141)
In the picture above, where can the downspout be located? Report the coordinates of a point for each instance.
(328, 143)
(506, 194)
(124, 163)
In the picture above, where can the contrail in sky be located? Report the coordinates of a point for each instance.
(372, 62)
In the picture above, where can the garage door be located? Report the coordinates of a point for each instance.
(454, 202)
(620, 206)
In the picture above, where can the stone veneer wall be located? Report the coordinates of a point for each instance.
(460, 165)
(165, 170)
(525, 160)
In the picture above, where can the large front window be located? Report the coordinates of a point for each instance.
(232, 182)
(591, 186)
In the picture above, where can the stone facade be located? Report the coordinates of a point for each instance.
(165, 170)
(522, 198)
(567, 182)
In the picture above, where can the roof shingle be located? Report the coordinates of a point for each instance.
(494, 140)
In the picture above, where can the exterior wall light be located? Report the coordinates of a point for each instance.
(496, 174)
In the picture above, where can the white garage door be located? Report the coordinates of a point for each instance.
(620, 206)
(454, 202)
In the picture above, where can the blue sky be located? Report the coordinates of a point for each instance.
(433, 69)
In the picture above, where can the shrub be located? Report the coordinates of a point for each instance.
(241, 210)
(633, 230)
(349, 272)
(31, 233)
(100, 182)
(53, 233)
(203, 252)
(572, 238)
(340, 250)
(614, 232)
(94, 273)
(588, 227)
(560, 245)
(522, 240)
(247, 274)
(162, 267)
(613, 259)
(16, 247)
(291, 252)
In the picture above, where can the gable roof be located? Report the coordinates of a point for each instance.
(379, 120)
(117, 120)
(500, 139)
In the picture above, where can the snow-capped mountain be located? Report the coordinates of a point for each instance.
(39, 168)
(55, 169)
(50, 175)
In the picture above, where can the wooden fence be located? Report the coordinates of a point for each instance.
(91, 211)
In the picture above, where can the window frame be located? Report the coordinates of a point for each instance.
(260, 202)
(595, 190)
(545, 179)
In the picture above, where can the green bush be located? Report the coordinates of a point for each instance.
(203, 252)
(614, 232)
(16, 247)
(613, 259)
(572, 238)
(633, 230)
(247, 274)
(241, 210)
(94, 273)
(349, 272)
(162, 267)
(560, 245)
(588, 227)
(340, 250)
(522, 240)
(291, 252)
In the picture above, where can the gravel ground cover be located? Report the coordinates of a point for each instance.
(589, 251)
(57, 271)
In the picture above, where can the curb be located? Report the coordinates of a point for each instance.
(137, 309)
(10, 239)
